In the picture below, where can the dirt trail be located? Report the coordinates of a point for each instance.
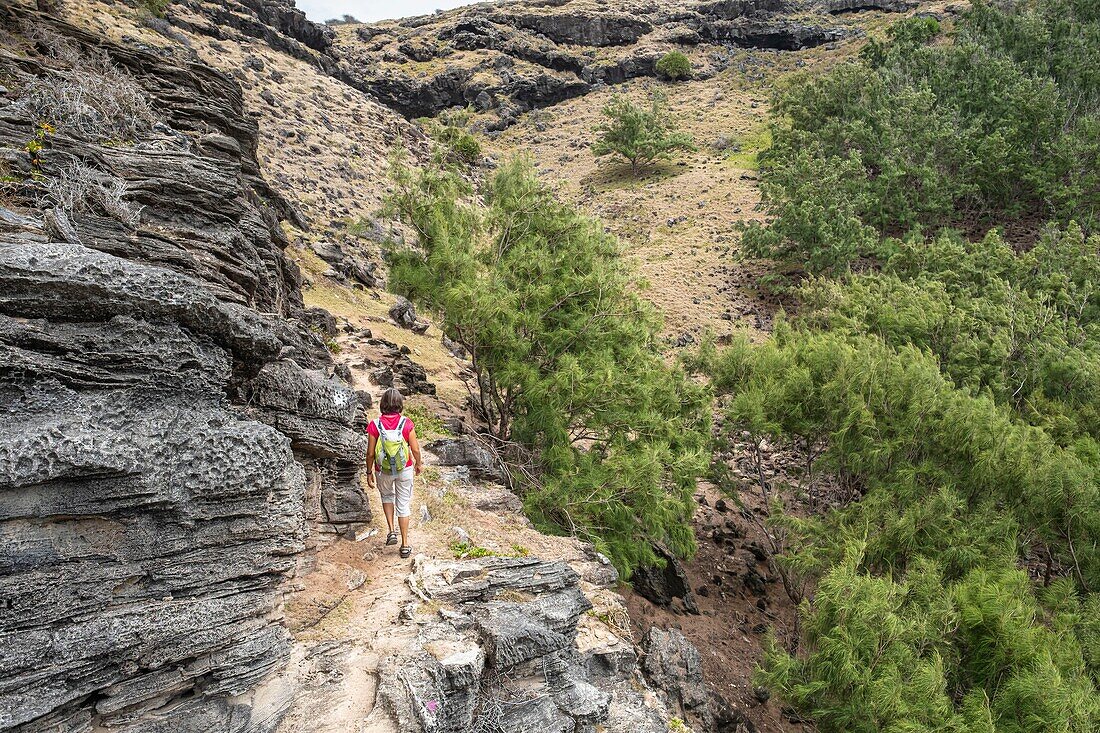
(352, 609)
(346, 617)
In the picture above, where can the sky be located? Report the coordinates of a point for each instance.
(370, 10)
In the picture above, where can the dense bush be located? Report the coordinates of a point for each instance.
(1001, 125)
(604, 439)
(922, 618)
(1022, 326)
(674, 66)
(640, 135)
(952, 386)
(891, 419)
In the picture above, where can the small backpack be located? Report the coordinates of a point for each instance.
(392, 451)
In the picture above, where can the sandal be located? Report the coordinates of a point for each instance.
(391, 538)
(406, 551)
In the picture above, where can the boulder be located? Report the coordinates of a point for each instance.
(674, 666)
(320, 321)
(501, 653)
(410, 377)
(347, 265)
(661, 585)
(481, 460)
(456, 350)
(404, 314)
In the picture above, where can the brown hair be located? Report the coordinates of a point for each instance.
(391, 402)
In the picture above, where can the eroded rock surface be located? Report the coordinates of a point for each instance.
(469, 452)
(170, 429)
(662, 584)
(674, 666)
(276, 22)
(498, 649)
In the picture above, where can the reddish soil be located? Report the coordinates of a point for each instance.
(736, 610)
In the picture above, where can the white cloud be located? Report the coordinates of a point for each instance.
(370, 10)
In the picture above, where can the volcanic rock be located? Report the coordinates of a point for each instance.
(170, 432)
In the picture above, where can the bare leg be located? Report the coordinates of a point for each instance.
(403, 522)
(387, 509)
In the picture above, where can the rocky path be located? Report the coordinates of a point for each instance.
(347, 619)
(490, 624)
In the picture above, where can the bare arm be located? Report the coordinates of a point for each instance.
(371, 442)
(414, 446)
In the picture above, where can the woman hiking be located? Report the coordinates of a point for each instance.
(397, 460)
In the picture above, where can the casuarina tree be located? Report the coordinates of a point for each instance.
(639, 134)
(603, 438)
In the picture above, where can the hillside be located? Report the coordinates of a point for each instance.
(792, 428)
(510, 58)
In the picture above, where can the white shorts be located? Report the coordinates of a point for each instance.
(399, 488)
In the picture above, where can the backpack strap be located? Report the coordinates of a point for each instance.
(401, 426)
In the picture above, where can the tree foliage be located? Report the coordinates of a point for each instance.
(1023, 326)
(953, 386)
(605, 439)
(1001, 125)
(639, 134)
(922, 617)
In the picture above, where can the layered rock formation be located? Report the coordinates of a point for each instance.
(509, 58)
(275, 22)
(170, 429)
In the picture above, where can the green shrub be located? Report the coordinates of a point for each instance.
(464, 145)
(1023, 326)
(920, 654)
(605, 441)
(466, 551)
(155, 7)
(450, 130)
(429, 425)
(674, 66)
(952, 387)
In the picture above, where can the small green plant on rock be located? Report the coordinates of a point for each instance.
(469, 551)
(36, 144)
(360, 226)
(674, 66)
(428, 425)
(155, 7)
